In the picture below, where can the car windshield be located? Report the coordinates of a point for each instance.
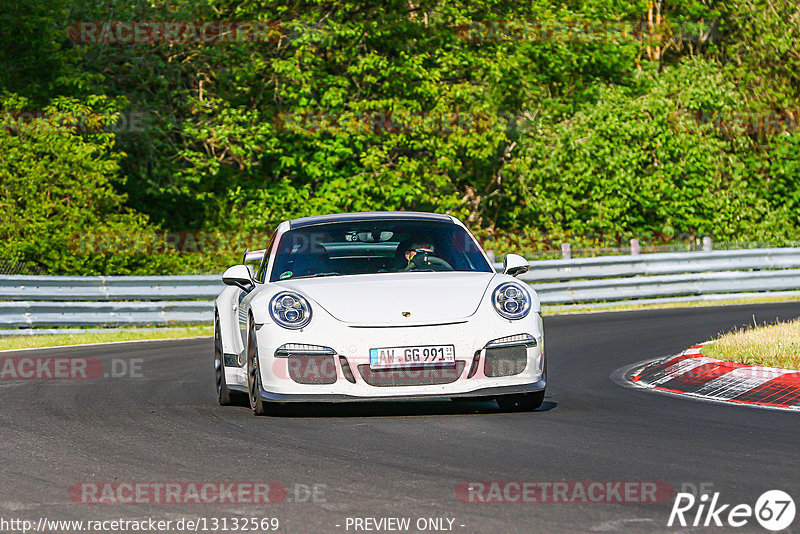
(369, 247)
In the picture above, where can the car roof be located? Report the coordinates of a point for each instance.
(369, 216)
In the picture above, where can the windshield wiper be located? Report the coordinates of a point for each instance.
(327, 274)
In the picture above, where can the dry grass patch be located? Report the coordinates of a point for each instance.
(775, 345)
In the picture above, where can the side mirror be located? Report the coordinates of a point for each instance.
(515, 265)
(239, 276)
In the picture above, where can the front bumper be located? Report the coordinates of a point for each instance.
(488, 393)
(351, 380)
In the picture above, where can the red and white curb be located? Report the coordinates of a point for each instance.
(692, 374)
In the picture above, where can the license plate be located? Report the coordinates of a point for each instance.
(392, 357)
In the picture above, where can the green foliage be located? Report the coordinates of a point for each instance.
(538, 118)
(56, 193)
(31, 52)
(632, 165)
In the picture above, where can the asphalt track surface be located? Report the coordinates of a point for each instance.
(406, 460)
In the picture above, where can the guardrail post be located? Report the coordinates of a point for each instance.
(634, 247)
(707, 244)
(566, 251)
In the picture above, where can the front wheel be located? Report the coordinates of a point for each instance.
(223, 393)
(225, 396)
(253, 372)
(521, 402)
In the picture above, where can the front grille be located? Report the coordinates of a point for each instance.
(505, 361)
(412, 376)
(312, 369)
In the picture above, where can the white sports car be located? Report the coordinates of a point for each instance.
(377, 306)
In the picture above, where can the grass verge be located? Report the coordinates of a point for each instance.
(774, 345)
(122, 334)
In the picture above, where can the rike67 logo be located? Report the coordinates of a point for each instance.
(774, 510)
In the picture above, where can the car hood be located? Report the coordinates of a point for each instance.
(382, 299)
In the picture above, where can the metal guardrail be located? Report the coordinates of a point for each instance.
(45, 301)
(116, 313)
(71, 301)
(667, 286)
(661, 263)
(110, 288)
(614, 278)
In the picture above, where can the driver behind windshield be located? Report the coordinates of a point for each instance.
(421, 255)
(420, 250)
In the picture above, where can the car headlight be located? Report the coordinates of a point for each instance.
(290, 310)
(511, 300)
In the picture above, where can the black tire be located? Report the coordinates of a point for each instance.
(223, 393)
(257, 404)
(522, 402)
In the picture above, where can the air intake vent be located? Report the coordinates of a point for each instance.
(412, 376)
(312, 369)
(505, 361)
